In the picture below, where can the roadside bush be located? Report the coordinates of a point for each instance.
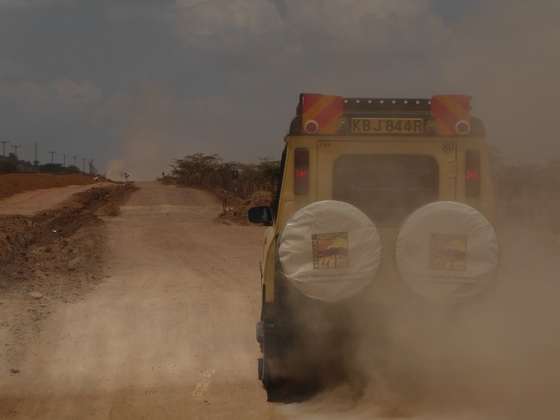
(210, 173)
(528, 194)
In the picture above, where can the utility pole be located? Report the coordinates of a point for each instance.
(75, 161)
(64, 160)
(36, 162)
(15, 149)
(52, 157)
(84, 162)
(4, 147)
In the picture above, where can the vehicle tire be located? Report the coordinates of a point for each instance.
(447, 252)
(269, 375)
(329, 250)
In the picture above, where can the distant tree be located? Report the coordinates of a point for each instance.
(209, 172)
(270, 170)
(7, 166)
(71, 169)
(495, 157)
(197, 170)
(52, 168)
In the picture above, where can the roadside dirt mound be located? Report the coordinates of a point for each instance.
(54, 256)
(11, 184)
(235, 209)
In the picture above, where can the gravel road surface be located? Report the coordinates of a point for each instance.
(168, 335)
(166, 331)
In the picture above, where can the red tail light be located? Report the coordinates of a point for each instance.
(472, 173)
(301, 171)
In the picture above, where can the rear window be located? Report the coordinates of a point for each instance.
(386, 187)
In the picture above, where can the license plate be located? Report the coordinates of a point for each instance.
(388, 125)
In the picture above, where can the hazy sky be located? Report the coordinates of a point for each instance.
(136, 84)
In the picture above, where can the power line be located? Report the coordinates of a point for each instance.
(4, 147)
(15, 149)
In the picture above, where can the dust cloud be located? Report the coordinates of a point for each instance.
(115, 170)
(151, 129)
(493, 358)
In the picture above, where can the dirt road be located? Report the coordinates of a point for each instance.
(169, 333)
(30, 202)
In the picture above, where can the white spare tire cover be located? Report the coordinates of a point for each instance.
(447, 251)
(329, 250)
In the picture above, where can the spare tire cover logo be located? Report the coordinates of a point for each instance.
(330, 250)
(448, 252)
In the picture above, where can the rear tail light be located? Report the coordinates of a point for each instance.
(301, 171)
(472, 173)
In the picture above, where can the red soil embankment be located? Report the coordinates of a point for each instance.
(11, 184)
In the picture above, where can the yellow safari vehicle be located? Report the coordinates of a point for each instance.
(379, 200)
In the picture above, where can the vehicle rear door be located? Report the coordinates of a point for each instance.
(386, 178)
